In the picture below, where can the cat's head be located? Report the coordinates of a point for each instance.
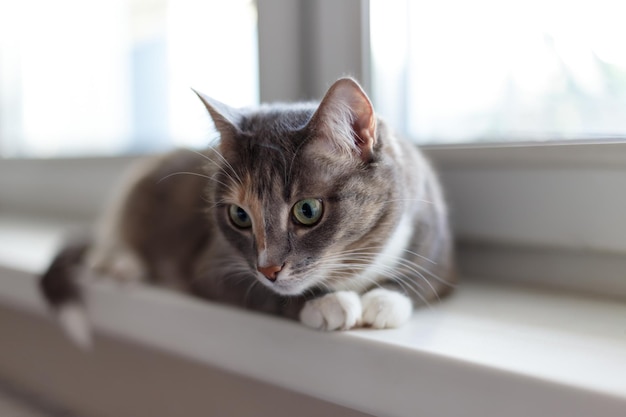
(304, 191)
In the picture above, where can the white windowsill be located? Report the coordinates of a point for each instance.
(488, 350)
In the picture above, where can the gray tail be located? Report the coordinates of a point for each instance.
(60, 288)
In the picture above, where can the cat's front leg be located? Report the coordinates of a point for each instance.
(339, 310)
(383, 308)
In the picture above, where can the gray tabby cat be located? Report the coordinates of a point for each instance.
(313, 212)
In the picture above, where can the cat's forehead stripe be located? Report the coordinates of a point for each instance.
(269, 214)
(254, 207)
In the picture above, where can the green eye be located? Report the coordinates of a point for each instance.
(307, 212)
(239, 217)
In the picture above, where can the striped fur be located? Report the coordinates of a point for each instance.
(381, 246)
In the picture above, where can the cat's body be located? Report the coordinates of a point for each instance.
(316, 213)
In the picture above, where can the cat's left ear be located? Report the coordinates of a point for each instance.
(346, 118)
(225, 118)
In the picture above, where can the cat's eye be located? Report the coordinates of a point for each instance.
(308, 212)
(239, 217)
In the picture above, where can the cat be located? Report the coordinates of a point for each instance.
(315, 212)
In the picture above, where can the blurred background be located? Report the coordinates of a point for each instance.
(86, 85)
(111, 77)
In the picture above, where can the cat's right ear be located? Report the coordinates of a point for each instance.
(225, 118)
(346, 120)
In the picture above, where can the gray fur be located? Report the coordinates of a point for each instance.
(172, 224)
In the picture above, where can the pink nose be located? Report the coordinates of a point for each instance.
(270, 271)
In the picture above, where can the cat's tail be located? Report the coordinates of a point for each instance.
(60, 289)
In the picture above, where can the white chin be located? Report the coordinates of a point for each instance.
(288, 291)
(283, 287)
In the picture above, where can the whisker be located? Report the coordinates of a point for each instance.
(397, 260)
(420, 256)
(281, 153)
(230, 187)
(216, 152)
(249, 291)
(353, 260)
(380, 248)
(419, 200)
(293, 159)
(184, 173)
(407, 286)
(228, 165)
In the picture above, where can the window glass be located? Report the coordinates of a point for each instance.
(500, 70)
(112, 76)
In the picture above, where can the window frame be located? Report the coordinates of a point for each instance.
(544, 179)
(537, 182)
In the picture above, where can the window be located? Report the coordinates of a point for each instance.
(453, 71)
(101, 77)
(540, 195)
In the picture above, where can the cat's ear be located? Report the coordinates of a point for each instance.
(225, 118)
(345, 118)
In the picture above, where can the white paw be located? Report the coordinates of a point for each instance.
(383, 309)
(339, 310)
(73, 319)
(121, 265)
(127, 268)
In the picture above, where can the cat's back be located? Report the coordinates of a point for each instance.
(163, 214)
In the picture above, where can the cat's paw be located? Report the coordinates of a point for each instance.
(383, 309)
(127, 268)
(121, 265)
(339, 310)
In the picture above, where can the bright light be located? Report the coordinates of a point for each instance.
(108, 76)
(501, 69)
